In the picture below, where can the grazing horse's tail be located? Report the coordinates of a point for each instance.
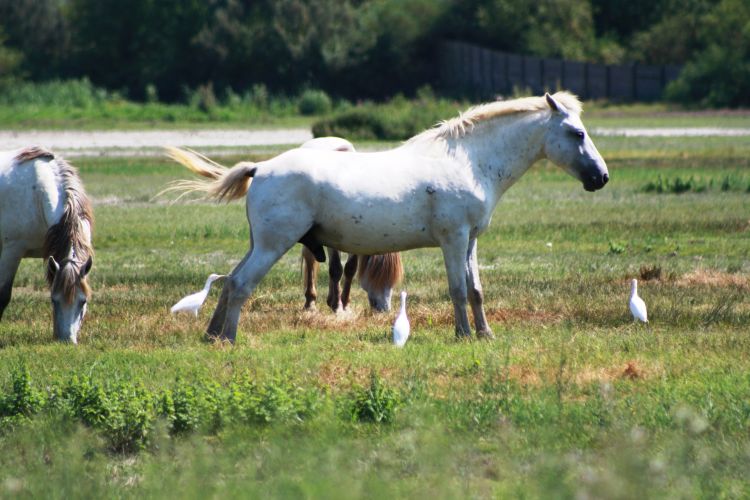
(379, 272)
(226, 184)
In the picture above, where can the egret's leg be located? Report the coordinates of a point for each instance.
(476, 297)
(311, 275)
(454, 254)
(335, 271)
(9, 261)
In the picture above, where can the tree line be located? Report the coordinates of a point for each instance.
(361, 48)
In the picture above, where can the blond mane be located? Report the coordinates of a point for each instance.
(465, 122)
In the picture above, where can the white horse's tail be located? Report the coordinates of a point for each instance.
(225, 184)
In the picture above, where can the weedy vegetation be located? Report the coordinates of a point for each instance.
(573, 399)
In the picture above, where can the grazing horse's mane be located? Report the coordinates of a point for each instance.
(69, 232)
(464, 122)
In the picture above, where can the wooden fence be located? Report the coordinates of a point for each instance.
(483, 73)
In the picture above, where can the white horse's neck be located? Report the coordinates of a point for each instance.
(501, 150)
(498, 151)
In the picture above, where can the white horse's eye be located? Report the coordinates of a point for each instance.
(579, 133)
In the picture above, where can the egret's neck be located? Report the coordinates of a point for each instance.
(403, 304)
(502, 149)
(633, 289)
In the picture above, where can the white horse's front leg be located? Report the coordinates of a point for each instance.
(476, 297)
(454, 254)
(10, 258)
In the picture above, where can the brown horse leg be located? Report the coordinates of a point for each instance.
(350, 269)
(310, 272)
(335, 270)
(475, 294)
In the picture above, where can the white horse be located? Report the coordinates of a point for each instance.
(44, 212)
(439, 189)
(378, 274)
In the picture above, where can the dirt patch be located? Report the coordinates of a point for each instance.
(710, 277)
(510, 315)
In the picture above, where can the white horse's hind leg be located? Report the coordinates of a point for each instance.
(454, 254)
(476, 297)
(10, 258)
(241, 284)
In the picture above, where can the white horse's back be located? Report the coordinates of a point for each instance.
(25, 219)
(381, 199)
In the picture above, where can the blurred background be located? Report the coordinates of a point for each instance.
(224, 52)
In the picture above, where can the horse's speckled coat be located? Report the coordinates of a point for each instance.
(469, 163)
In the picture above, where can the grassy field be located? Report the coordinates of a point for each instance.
(573, 400)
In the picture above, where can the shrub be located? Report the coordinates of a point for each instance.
(678, 185)
(314, 102)
(274, 401)
(396, 120)
(63, 93)
(375, 403)
(616, 248)
(23, 399)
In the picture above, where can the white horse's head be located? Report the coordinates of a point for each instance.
(70, 292)
(568, 145)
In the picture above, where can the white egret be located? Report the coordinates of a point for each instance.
(194, 301)
(637, 306)
(401, 325)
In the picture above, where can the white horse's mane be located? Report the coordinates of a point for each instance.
(464, 122)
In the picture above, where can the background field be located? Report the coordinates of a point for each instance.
(571, 400)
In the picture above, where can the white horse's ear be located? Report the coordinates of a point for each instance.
(553, 104)
(52, 266)
(86, 267)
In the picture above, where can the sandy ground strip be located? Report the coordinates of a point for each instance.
(150, 142)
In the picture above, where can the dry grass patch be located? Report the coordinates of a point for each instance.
(714, 278)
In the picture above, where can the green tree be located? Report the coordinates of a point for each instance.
(9, 63)
(129, 45)
(718, 75)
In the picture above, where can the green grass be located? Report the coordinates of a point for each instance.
(571, 400)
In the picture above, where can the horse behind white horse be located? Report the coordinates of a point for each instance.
(439, 189)
(378, 274)
(44, 212)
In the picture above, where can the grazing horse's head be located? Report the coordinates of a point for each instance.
(70, 292)
(568, 145)
(378, 274)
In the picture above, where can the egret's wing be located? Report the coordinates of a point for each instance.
(188, 303)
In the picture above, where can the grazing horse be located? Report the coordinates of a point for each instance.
(439, 189)
(44, 212)
(378, 274)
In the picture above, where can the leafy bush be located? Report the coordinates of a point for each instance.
(274, 401)
(616, 248)
(375, 403)
(23, 399)
(314, 102)
(63, 93)
(398, 119)
(678, 185)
